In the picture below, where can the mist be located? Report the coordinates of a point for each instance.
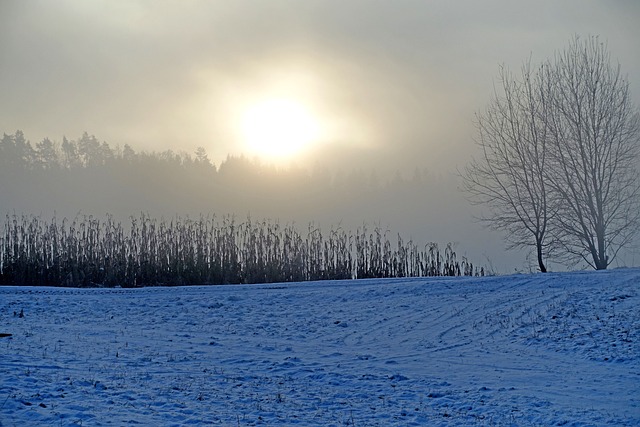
(396, 86)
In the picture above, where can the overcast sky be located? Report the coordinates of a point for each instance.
(393, 80)
(390, 85)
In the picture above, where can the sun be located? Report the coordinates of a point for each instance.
(278, 129)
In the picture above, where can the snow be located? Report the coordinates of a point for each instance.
(526, 350)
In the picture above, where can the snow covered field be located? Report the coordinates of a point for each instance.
(555, 349)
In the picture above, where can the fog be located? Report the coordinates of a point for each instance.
(395, 86)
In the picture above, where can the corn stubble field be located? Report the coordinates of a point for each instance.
(87, 251)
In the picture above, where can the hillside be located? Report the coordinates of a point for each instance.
(555, 349)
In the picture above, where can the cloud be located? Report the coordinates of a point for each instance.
(402, 79)
(397, 82)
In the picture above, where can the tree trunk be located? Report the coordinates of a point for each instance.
(602, 260)
(541, 266)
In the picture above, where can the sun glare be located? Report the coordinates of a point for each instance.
(278, 129)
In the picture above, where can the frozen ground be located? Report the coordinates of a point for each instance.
(556, 349)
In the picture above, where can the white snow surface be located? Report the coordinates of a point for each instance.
(525, 350)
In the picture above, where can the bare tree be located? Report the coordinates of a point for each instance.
(593, 130)
(509, 177)
(560, 151)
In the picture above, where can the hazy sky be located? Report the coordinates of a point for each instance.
(390, 85)
(396, 82)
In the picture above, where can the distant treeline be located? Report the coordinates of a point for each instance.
(87, 251)
(88, 175)
(87, 151)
